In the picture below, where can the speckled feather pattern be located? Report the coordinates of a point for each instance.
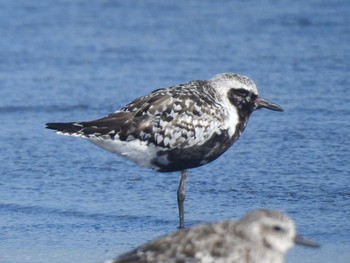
(177, 117)
(176, 128)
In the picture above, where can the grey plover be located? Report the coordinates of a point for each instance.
(176, 128)
(261, 236)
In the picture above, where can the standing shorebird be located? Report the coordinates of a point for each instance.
(176, 128)
(261, 236)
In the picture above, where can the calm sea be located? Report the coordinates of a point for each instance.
(65, 200)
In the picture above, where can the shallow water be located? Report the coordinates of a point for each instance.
(65, 200)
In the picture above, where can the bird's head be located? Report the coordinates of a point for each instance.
(272, 230)
(241, 92)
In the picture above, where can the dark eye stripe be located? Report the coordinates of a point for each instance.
(240, 92)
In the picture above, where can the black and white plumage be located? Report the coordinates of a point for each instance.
(176, 128)
(261, 236)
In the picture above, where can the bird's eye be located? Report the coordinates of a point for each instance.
(241, 92)
(253, 96)
(277, 228)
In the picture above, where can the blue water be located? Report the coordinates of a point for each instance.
(65, 200)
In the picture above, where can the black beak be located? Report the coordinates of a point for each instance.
(298, 240)
(262, 103)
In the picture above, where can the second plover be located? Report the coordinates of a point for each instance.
(261, 236)
(176, 128)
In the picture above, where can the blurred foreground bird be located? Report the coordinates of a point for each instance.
(261, 236)
(176, 128)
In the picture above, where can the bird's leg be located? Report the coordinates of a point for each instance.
(181, 197)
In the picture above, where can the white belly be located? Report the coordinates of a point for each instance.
(134, 150)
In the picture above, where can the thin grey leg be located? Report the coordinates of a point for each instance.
(181, 197)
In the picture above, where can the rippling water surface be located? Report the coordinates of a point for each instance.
(65, 200)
